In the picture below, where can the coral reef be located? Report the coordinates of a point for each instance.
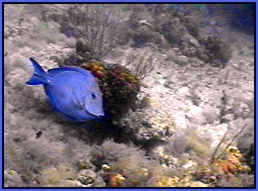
(119, 86)
(178, 85)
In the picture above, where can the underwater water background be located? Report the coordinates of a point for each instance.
(240, 16)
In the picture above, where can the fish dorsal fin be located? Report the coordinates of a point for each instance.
(67, 69)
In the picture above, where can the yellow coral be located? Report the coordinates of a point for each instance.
(163, 122)
(106, 168)
(52, 175)
(115, 180)
(200, 147)
(141, 172)
(84, 165)
(196, 184)
(232, 163)
(154, 102)
(234, 151)
(165, 181)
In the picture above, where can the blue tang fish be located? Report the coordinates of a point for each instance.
(72, 91)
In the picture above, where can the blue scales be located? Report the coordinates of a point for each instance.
(72, 91)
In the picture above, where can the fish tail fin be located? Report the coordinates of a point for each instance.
(39, 76)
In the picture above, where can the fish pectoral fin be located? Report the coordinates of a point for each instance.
(78, 104)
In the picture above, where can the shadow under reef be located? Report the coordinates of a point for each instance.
(95, 133)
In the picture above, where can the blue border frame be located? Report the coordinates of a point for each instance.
(112, 1)
(2, 93)
(129, 1)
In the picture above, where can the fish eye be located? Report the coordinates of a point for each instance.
(93, 95)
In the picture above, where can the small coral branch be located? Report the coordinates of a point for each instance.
(142, 64)
(223, 140)
(213, 156)
(95, 24)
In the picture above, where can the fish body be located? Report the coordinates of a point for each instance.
(72, 91)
